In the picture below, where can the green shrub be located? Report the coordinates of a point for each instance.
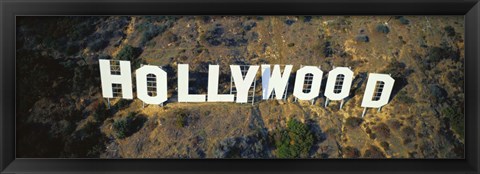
(295, 141)
(435, 54)
(181, 120)
(127, 126)
(456, 121)
(128, 53)
(362, 38)
(121, 128)
(382, 28)
(123, 103)
(328, 50)
(450, 31)
(403, 20)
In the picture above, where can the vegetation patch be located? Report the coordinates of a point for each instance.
(181, 118)
(295, 141)
(456, 120)
(373, 152)
(353, 122)
(382, 130)
(351, 152)
(362, 38)
(382, 28)
(129, 125)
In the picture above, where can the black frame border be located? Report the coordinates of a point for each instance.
(9, 9)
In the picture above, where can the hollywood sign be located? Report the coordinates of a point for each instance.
(377, 92)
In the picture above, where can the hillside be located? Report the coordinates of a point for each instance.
(61, 111)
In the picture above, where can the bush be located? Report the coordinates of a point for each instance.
(394, 124)
(382, 28)
(385, 145)
(123, 103)
(128, 53)
(403, 20)
(450, 31)
(295, 141)
(289, 22)
(353, 122)
(373, 152)
(249, 26)
(307, 18)
(382, 130)
(408, 132)
(181, 118)
(437, 54)
(327, 50)
(438, 93)
(397, 69)
(456, 121)
(121, 128)
(251, 146)
(128, 125)
(362, 38)
(351, 152)
(370, 133)
(214, 37)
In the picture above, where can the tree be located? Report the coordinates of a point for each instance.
(295, 141)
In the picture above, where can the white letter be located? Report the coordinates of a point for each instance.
(243, 85)
(213, 96)
(183, 95)
(125, 79)
(300, 79)
(160, 84)
(373, 80)
(332, 82)
(277, 81)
